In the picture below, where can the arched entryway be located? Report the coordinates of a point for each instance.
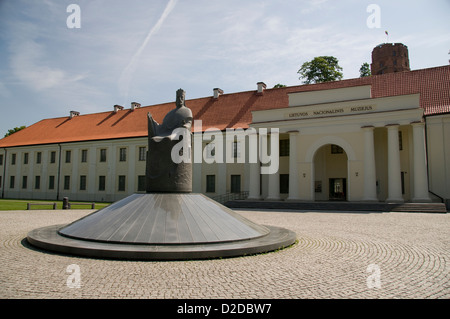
(330, 166)
(320, 185)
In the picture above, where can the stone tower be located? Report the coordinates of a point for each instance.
(389, 57)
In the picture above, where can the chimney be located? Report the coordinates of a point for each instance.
(217, 92)
(117, 108)
(73, 114)
(135, 105)
(261, 88)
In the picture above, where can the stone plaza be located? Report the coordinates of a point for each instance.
(338, 255)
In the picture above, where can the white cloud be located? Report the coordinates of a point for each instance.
(145, 50)
(127, 73)
(30, 65)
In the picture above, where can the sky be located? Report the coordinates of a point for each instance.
(88, 55)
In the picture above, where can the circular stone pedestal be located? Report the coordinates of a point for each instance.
(162, 227)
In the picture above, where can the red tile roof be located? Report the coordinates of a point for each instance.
(230, 110)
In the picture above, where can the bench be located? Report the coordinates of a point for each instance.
(42, 204)
(91, 204)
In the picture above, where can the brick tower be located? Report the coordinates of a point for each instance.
(389, 57)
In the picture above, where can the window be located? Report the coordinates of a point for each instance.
(84, 154)
(210, 183)
(24, 181)
(53, 157)
(68, 155)
(51, 182)
(123, 154)
(235, 183)
(101, 183)
(335, 149)
(25, 158)
(12, 182)
(1, 159)
(37, 182)
(66, 182)
(284, 183)
(82, 182)
(141, 183)
(13, 159)
(284, 147)
(142, 153)
(103, 155)
(121, 183)
(38, 157)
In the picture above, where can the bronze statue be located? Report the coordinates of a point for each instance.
(166, 171)
(180, 117)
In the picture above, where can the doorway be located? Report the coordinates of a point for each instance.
(338, 189)
(235, 183)
(330, 173)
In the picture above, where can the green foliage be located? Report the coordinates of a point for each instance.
(14, 130)
(365, 70)
(21, 204)
(320, 69)
(277, 86)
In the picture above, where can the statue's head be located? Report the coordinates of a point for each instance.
(180, 98)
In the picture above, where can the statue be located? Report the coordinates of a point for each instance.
(169, 222)
(169, 149)
(180, 117)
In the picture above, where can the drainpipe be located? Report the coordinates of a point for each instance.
(4, 173)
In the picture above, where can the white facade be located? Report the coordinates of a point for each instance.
(81, 171)
(337, 144)
(438, 156)
(348, 146)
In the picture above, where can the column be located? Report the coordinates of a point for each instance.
(370, 178)
(74, 174)
(255, 181)
(111, 179)
(293, 167)
(394, 174)
(420, 164)
(45, 174)
(255, 168)
(131, 176)
(197, 174)
(274, 180)
(221, 181)
(92, 174)
(274, 186)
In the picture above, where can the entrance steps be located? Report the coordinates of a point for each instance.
(339, 206)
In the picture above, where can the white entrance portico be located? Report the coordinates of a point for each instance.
(345, 145)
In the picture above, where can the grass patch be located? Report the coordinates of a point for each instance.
(21, 204)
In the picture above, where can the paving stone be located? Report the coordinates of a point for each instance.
(330, 260)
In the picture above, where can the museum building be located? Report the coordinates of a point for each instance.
(381, 138)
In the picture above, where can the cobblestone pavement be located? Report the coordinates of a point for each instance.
(338, 255)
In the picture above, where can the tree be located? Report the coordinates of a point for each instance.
(14, 130)
(279, 85)
(320, 69)
(365, 70)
